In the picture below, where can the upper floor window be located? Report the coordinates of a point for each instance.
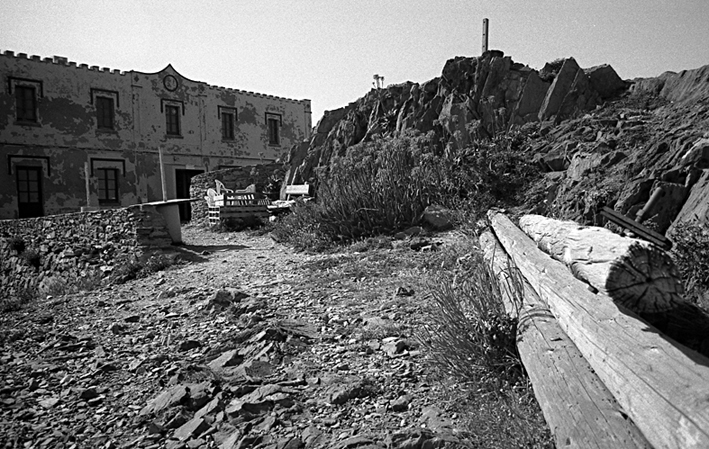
(107, 185)
(273, 121)
(228, 116)
(172, 120)
(26, 103)
(104, 113)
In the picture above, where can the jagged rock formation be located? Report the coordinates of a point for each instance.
(473, 98)
(599, 140)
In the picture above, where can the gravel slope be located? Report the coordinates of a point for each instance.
(243, 344)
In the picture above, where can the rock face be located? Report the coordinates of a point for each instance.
(600, 140)
(473, 98)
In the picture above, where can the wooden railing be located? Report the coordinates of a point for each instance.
(604, 377)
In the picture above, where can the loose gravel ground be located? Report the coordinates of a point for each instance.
(244, 343)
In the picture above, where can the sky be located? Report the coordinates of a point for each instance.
(329, 50)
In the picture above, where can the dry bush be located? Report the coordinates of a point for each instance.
(384, 185)
(472, 341)
(690, 253)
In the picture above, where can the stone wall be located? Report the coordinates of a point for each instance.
(73, 246)
(237, 178)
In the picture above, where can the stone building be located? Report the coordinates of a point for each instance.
(74, 136)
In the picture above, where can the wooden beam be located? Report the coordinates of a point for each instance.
(579, 409)
(661, 385)
(635, 273)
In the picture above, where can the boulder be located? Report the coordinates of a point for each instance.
(697, 156)
(606, 81)
(533, 94)
(559, 89)
(696, 208)
(438, 217)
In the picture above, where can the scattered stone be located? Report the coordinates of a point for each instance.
(192, 428)
(401, 403)
(116, 328)
(188, 345)
(438, 217)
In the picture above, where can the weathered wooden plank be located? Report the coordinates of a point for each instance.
(579, 409)
(635, 273)
(662, 386)
(298, 189)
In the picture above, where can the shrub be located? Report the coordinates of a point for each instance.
(472, 340)
(384, 185)
(18, 300)
(471, 337)
(690, 253)
(61, 285)
(17, 244)
(32, 257)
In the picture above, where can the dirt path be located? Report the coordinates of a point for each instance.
(246, 345)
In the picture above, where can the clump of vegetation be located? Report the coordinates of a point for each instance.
(17, 244)
(19, 299)
(133, 267)
(32, 257)
(471, 336)
(61, 285)
(472, 341)
(383, 186)
(551, 69)
(690, 253)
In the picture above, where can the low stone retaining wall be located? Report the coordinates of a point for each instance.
(237, 178)
(73, 246)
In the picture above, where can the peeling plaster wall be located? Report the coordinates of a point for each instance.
(66, 135)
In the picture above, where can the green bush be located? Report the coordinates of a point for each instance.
(471, 337)
(18, 300)
(382, 186)
(690, 253)
(17, 244)
(472, 342)
(32, 257)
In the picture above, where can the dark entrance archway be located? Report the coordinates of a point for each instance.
(182, 190)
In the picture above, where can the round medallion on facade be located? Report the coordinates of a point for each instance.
(170, 82)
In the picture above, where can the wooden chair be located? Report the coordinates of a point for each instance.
(221, 188)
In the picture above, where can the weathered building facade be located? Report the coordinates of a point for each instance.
(73, 136)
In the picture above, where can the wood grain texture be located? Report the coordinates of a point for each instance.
(661, 385)
(633, 272)
(579, 409)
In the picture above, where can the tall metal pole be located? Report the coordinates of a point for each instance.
(486, 25)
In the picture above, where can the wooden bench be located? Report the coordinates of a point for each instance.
(227, 203)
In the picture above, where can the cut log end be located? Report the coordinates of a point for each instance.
(645, 281)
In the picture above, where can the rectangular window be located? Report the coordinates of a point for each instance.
(228, 125)
(273, 121)
(26, 103)
(107, 185)
(104, 112)
(172, 120)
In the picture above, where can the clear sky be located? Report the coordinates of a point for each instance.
(329, 50)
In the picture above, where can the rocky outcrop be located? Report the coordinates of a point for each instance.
(474, 98)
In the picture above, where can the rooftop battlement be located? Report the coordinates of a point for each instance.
(64, 61)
